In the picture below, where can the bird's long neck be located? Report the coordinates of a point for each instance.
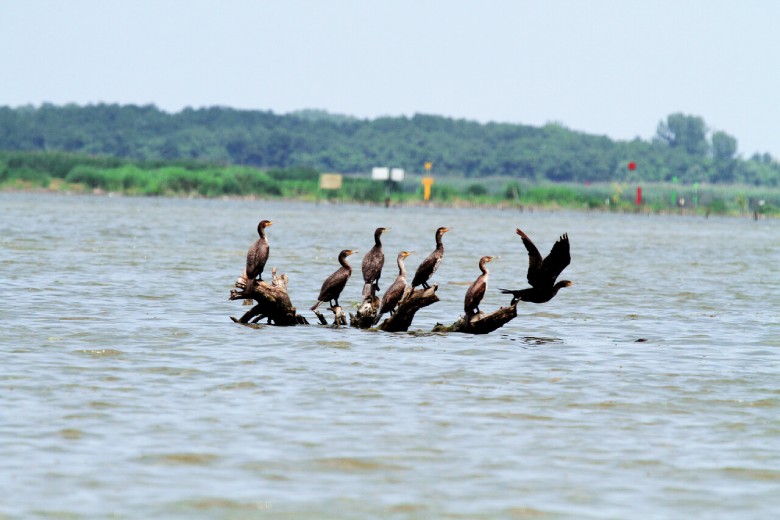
(401, 267)
(558, 286)
(343, 262)
(439, 243)
(261, 232)
(378, 239)
(484, 269)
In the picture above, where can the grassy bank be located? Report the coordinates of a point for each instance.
(86, 174)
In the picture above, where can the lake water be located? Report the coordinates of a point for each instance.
(648, 389)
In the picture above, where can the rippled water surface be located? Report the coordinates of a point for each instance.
(648, 389)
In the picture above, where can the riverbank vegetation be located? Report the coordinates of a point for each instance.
(68, 172)
(683, 149)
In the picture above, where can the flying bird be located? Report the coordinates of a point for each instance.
(542, 273)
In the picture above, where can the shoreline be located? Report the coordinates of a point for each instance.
(456, 204)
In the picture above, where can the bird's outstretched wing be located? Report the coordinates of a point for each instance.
(535, 261)
(557, 260)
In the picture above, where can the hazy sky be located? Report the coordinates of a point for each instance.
(604, 67)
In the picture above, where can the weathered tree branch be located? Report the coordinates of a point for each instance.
(412, 302)
(273, 302)
(366, 314)
(480, 323)
(339, 318)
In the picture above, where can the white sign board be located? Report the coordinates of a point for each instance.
(397, 174)
(380, 174)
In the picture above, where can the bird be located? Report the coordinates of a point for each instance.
(257, 256)
(372, 264)
(543, 273)
(428, 266)
(334, 284)
(476, 291)
(396, 290)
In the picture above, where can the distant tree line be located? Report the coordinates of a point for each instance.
(683, 149)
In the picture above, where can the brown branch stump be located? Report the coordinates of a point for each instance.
(480, 323)
(366, 314)
(339, 318)
(273, 302)
(413, 301)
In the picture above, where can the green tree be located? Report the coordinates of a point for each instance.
(724, 150)
(688, 133)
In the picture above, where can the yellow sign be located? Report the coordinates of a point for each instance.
(428, 166)
(330, 181)
(427, 182)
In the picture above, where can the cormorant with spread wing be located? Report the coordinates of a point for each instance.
(542, 273)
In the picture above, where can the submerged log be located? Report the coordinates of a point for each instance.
(413, 301)
(339, 318)
(273, 302)
(366, 314)
(480, 323)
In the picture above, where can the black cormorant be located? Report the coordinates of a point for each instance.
(334, 284)
(372, 265)
(543, 273)
(476, 292)
(257, 256)
(428, 266)
(395, 292)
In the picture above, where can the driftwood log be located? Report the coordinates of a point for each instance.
(412, 301)
(273, 302)
(480, 323)
(339, 318)
(366, 314)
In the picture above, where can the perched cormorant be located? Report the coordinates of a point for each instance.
(428, 266)
(334, 284)
(542, 273)
(257, 256)
(394, 293)
(372, 265)
(476, 292)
